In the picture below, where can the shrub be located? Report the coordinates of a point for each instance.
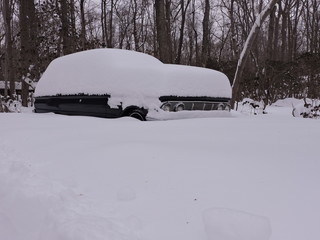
(9, 105)
(308, 109)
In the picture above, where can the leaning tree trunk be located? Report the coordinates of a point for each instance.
(247, 48)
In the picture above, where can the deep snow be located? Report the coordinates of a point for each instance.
(88, 178)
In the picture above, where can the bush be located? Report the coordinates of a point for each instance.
(9, 105)
(308, 109)
(252, 107)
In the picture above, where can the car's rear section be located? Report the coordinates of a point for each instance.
(77, 105)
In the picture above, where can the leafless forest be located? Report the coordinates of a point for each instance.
(284, 60)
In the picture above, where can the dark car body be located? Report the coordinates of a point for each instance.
(97, 106)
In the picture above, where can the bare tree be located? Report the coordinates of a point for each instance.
(66, 27)
(28, 49)
(110, 39)
(206, 33)
(83, 25)
(163, 32)
(281, 56)
(194, 56)
(233, 42)
(7, 10)
(183, 8)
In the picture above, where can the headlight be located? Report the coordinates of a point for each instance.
(220, 107)
(166, 107)
(179, 107)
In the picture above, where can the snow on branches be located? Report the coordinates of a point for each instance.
(308, 109)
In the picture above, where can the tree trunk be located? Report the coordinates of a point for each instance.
(295, 31)
(284, 29)
(233, 42)
(162, 32)
(83, 25)
(183, 21)
(28, 46)
(8, 71)
(109, 41)
(206, 33)
(72, 22)
(135, 28)
(276, 35)
(65, 29)
(196, 46)
(270, 49)
(168, 21)
(104, 23)
(247, 48)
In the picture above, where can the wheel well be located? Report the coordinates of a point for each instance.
(129, 110)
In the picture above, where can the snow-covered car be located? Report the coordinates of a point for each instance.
(114, 83)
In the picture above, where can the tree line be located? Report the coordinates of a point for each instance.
(284, 60)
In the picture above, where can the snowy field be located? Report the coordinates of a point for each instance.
(244, 177)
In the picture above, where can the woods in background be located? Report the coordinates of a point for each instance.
(284, 61)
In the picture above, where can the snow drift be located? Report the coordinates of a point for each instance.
(81, 178)
(227, 224)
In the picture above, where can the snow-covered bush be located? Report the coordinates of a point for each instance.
(9, 105)
(309, 109)
(14, 105)
(251, 106)
(287, 102)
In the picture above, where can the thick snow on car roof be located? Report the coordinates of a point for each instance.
(128, 73)
(184, 80)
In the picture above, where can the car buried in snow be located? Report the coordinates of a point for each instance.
(114, 83)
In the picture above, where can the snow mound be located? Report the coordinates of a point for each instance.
(227, 224)
(307, 110)
(194, 81)
(163, 115)
(250, 106)
(128, 76)
(287, 102)
(301, 110)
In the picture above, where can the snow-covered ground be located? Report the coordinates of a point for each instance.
(84, 178)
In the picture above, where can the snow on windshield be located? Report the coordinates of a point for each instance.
(123, 73)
